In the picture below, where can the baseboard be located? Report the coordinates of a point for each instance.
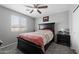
(8, 45)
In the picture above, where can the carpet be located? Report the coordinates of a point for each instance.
(53, 49)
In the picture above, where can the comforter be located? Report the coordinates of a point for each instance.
(40, 37)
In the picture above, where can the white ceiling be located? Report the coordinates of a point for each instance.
(52, 9)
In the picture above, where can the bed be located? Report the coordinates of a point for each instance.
(29, 47)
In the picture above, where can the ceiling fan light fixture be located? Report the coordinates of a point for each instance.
(35, 9)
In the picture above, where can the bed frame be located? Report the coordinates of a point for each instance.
(31, 48)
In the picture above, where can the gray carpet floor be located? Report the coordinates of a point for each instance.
(53, 49)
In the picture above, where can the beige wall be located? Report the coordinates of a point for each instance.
(61, 20)
(5, 21)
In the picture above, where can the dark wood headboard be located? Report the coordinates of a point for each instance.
(49, 26)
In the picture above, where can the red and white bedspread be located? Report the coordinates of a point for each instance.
(40, 37)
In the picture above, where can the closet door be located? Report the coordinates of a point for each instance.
(75, 29)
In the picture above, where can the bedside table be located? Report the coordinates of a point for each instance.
(63, 39)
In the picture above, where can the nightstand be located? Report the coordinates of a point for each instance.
(63, 39)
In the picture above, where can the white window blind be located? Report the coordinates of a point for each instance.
(18, 23)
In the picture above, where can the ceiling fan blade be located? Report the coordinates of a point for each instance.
(39, 11)
(40, 7)
(34, 5)
(29, 6)
(31, 11)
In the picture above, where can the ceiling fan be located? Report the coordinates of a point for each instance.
(37, 7)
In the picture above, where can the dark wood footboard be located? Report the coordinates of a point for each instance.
(31, 48)
(28, 47)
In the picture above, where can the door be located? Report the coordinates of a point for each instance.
(75, 29)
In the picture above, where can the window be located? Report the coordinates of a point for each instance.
(18, 23)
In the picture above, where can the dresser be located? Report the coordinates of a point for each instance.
(63, 39)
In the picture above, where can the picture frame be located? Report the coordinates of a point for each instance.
(46, 18)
